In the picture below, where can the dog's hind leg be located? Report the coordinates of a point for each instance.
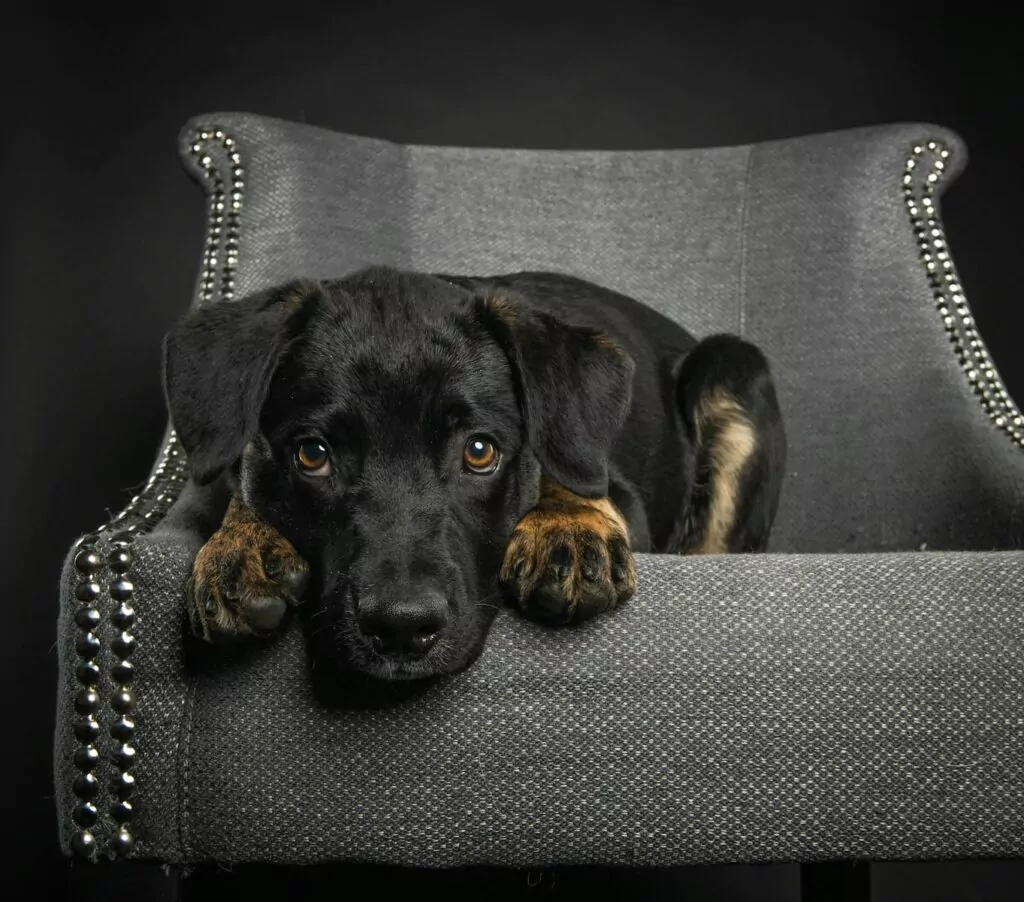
(729, 407)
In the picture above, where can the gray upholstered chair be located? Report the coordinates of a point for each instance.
(857, 693)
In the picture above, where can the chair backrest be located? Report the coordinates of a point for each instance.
(826, 250)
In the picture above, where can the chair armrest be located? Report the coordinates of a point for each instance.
(739, 709)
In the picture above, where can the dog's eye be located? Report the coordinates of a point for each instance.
(480, 455)
(312, 458)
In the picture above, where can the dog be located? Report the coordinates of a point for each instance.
(405, 453)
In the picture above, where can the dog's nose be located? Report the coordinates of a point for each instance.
(410, 626)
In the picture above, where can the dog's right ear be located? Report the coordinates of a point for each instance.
(218, 362)
(575, 385)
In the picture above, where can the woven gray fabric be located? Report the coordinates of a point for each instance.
(889, 447)
(769, 708)
(763, 708)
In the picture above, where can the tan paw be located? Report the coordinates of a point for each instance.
(244, 578)
(569, 558)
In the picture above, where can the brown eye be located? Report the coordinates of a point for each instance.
(313, 458)
(480, 455)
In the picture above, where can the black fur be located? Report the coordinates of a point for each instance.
(393, 370)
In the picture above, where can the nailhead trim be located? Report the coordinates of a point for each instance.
(220, 250)
(85, 814)
(122, 701)
(925, 167)
(141, 514)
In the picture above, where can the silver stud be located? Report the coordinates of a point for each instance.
(121, 843)
(84, 845)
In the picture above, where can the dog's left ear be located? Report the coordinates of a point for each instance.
(575, 386)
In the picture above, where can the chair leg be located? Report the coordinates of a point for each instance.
(835, 881)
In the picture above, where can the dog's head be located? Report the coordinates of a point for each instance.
(394, 427)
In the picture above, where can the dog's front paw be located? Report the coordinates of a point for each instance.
(244, 578)
(569, 558)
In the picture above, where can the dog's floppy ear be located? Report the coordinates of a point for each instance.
(218, 362)
(574, 385)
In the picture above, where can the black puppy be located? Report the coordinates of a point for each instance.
(431, 444)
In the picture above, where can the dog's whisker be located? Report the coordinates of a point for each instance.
(331, 626)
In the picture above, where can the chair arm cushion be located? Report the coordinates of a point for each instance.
(738, 709)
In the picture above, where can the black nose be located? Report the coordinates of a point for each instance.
(409, 626)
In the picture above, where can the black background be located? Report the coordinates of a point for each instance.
(101, 234)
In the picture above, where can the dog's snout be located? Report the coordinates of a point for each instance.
(410, 626)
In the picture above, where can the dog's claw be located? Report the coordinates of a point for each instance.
(560, 563)
(266, 613)
(591, 564)
(296, 582)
